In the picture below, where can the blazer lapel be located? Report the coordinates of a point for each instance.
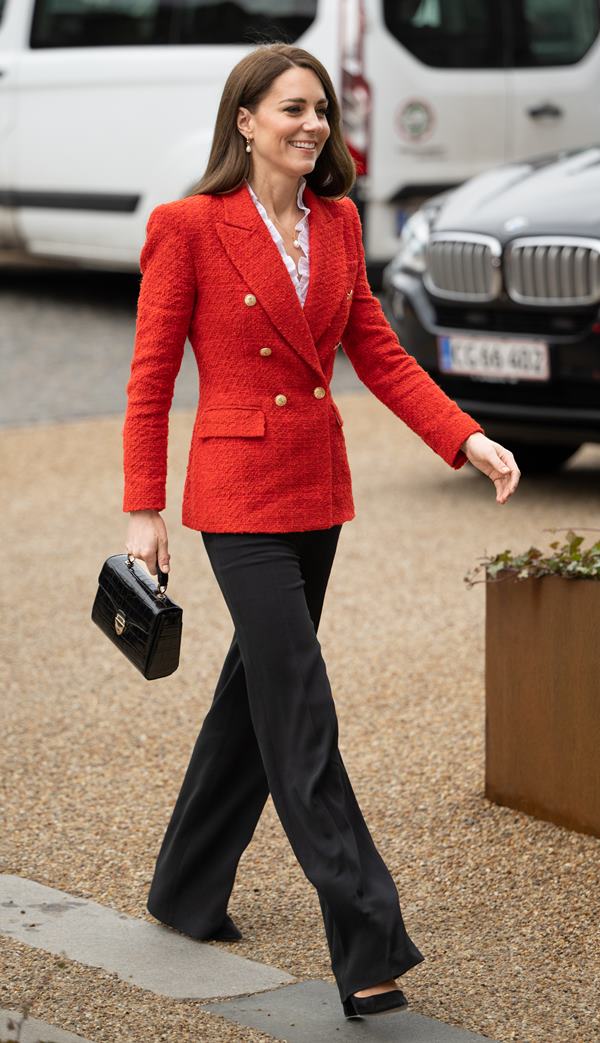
(249, 245)
(328, 264)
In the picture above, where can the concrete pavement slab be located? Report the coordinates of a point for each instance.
(311, 1012)
(33, 1030)
(151, 956)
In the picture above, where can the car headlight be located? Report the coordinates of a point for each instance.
(413, 241)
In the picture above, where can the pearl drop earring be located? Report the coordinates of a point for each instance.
(248, 147)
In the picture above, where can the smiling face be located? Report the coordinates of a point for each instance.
(289, 127)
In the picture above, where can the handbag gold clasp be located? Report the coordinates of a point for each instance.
(119, 622)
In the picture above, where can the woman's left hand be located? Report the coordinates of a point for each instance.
(494, 460)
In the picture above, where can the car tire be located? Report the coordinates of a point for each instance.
(541, 458)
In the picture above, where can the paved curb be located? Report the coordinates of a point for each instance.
(34, 1031)
(148, 955)
(311, 1012)
(156, 958)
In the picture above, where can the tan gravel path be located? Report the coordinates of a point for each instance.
(506, 909)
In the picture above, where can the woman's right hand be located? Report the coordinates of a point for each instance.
(147, 540)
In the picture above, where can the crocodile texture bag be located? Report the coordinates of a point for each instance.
(138, 617)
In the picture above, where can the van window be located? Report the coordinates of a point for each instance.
(449, 34)
(100, 23)
(245, 21)
(492, 34)
(126, 23)
(554, 32)
(1, 9)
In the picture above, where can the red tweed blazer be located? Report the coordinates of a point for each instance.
(267, 451)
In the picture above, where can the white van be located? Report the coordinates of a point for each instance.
(107, 106)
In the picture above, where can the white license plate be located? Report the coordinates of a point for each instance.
(494, 358)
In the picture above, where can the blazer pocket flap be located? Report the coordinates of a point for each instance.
(247, 421)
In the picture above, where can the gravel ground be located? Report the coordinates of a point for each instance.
(506, 909)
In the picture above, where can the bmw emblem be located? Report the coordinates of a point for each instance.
(515, 224)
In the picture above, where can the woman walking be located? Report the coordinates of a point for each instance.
(262, 266)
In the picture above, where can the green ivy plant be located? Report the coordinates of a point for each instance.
(568, 559)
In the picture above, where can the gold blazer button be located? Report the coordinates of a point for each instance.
(265, 351)
(319, 392)
(280, 400)
(250, 300)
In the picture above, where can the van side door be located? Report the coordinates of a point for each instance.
(554, 85)
(438, 80)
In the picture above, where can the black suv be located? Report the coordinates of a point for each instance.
(495, 290)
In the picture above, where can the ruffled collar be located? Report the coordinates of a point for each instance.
(299, 199)
(299, 275)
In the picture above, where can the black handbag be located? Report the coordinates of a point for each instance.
(138, 617)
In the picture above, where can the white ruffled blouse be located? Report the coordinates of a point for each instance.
(300, 275)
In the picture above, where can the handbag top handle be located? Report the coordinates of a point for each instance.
(163, 577)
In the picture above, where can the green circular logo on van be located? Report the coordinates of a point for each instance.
(415, 120)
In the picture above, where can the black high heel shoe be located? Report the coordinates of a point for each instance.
(378, 1003)
(227, 932)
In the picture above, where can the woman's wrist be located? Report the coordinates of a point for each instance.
(466, 441)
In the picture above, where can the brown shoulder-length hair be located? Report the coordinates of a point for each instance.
(248, 82)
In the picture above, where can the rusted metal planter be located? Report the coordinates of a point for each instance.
(542, 682)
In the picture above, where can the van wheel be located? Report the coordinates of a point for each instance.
(540, 459)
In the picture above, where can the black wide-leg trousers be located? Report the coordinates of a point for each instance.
(272, 727)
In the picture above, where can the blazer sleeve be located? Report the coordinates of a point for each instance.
(165, 306)
(394, 376)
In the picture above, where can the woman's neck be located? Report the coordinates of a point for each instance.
(278, 195)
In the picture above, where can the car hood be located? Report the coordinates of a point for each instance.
(548, 195)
